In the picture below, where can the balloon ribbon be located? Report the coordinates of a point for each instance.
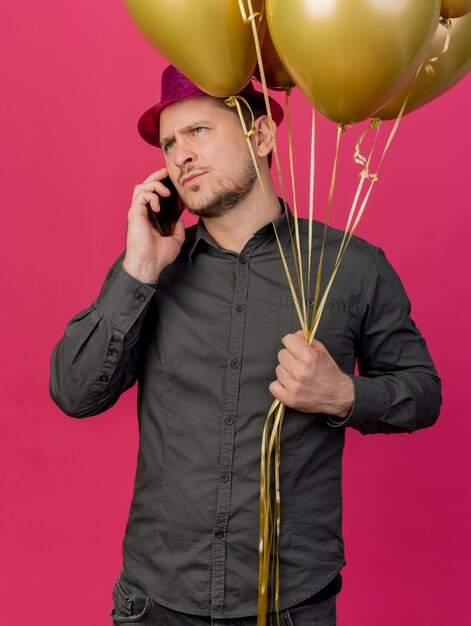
(446, 23)
(270, 521)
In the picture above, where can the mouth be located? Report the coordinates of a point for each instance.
(191, 177)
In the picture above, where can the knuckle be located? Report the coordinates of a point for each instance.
(295, 386)
(311, 356)
(319, 346)
(137, 197)
(307, 359)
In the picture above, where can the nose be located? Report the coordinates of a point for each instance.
(182, 152)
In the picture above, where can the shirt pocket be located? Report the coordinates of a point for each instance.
(130, 604)
(332, 326)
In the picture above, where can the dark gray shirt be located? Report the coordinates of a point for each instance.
(203, 345)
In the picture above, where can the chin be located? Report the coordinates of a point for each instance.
(197, 201)
(202, 210)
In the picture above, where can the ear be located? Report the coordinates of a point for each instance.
(263, 138)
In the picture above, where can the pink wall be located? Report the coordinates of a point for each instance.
(76, 76)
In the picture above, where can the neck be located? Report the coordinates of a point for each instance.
(233, 229)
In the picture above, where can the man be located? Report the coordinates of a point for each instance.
(197, 318)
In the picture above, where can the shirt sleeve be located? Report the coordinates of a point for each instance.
(98, 357)
(398, 388)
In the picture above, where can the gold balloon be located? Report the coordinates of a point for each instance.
(350, 57)
(455, 8)
(276, 75)
(448, 69)
(207, 40)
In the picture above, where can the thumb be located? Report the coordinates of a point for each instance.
(179, 232)
(300, 333)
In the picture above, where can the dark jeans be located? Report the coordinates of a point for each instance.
(133, 606)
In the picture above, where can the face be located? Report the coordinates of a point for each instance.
(206, 155)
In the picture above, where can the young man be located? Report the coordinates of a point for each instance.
(204, 320)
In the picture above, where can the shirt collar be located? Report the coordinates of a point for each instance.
(284, 223)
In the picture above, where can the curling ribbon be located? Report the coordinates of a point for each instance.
(446, 23)
(232, 102)
(248, 18)
(340, 131)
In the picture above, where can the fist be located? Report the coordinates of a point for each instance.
(309, 380)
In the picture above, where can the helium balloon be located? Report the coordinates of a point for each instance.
(207, 40)
(349, 58)
(276, 75)
(455, 8)
(449, 68)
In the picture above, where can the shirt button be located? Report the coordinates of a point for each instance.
(219, 534)
(140, 296)
(229, 420)
(113, 351)
(235, 363)
(240, 307)
(224, 478)
(103, 377)
(242, 259)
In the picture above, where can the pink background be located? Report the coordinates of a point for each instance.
(75, 78)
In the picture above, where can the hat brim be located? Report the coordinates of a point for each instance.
(148, 125)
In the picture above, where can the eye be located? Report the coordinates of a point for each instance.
(168, 146)
(198, 130)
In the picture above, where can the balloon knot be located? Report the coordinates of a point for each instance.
(231, 101)
(375, 122)
(445, 21)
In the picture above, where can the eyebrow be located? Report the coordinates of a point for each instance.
(185, 129)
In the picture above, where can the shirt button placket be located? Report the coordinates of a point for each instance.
(233, 375)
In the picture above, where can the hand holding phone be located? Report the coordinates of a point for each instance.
(155, 234)
(171, 207)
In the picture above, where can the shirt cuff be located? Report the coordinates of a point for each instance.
(369, 404)
(337, 421)
(123, 298)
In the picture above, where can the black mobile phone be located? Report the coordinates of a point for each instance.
(171, 207)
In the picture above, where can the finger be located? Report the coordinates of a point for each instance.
(287, 360)
(283, 376)
(139, 206)
(158, 175)
(297, 345)
(314, 342)
(154, 203)
(280, 393)
(155, 186)
(179, 232)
